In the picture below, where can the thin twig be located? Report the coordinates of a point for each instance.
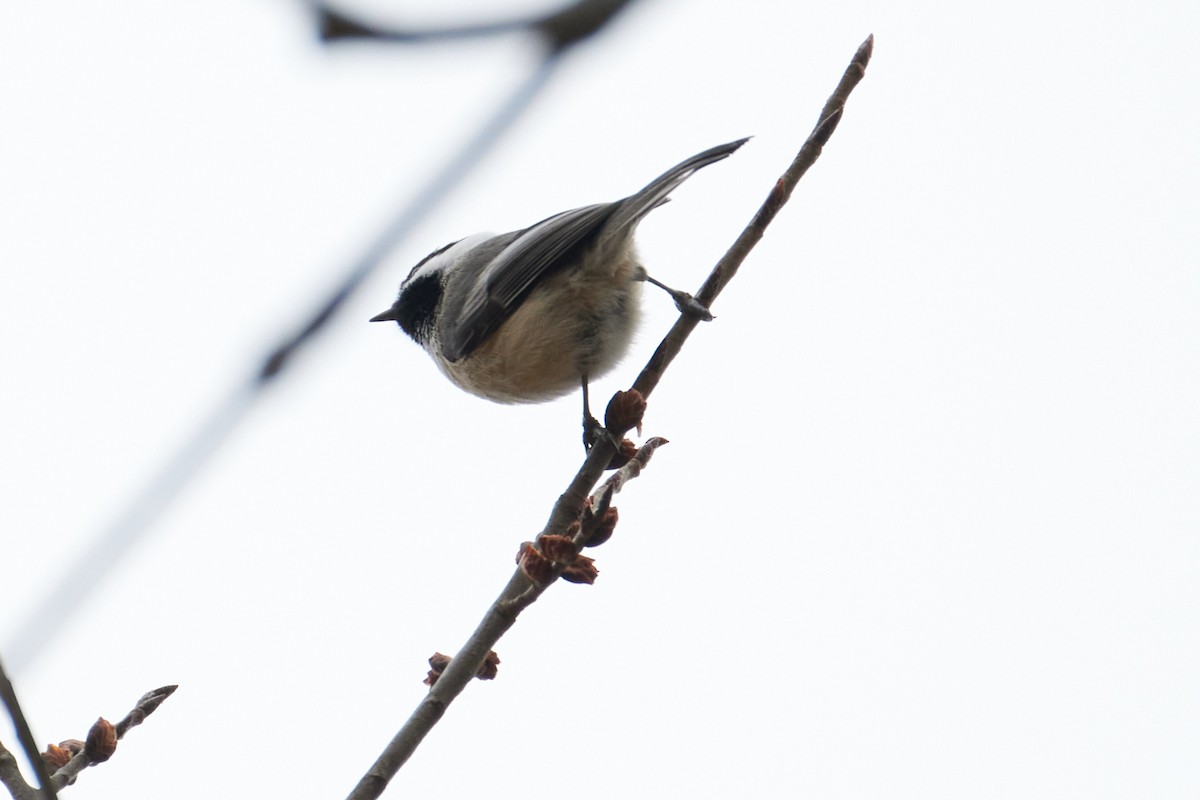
(145, 706)
(728, 266)
(521, 591)
(73, 756)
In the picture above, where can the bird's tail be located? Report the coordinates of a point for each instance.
(631, 210)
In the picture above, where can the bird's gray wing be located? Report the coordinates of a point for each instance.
(507, 280)
(545, 247)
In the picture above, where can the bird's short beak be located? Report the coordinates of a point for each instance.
(387, 316)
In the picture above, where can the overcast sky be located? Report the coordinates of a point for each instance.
(928, 522)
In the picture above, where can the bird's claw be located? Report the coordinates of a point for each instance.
(593, 432)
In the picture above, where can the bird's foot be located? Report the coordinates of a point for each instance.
(688, 305)
(594, 432)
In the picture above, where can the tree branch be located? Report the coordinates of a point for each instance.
(574, 508)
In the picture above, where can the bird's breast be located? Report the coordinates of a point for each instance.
(575, 323)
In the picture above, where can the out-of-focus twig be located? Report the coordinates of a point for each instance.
(8, 694)
(97, 560)
(559, 29)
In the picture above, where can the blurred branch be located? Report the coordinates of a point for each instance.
(12, 779)
(577, 519)
(95, 561)
(559, 30)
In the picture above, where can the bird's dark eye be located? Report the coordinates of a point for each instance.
(417, 305)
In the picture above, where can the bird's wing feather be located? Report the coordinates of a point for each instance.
(507, 280)
(549, 245)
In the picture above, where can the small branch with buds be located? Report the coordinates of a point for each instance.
(65, 760)
(580, 519)
(540, 564)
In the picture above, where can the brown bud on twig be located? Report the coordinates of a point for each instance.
(72, 746)
(625, 451)
(581, 570)
(438, 663)
(490, 666)
(101, 741)
(625, 410)
(56, 757)
(536, 566)
(560, 549)
(596, 504)
(600, 528)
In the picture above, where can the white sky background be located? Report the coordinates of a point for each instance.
(927, 526)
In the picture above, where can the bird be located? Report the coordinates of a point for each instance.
(534, 314)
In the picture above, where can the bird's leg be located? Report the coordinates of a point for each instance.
(591, 425)
(687, 305)
(593, 431)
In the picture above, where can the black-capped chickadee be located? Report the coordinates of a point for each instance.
(530, 315)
